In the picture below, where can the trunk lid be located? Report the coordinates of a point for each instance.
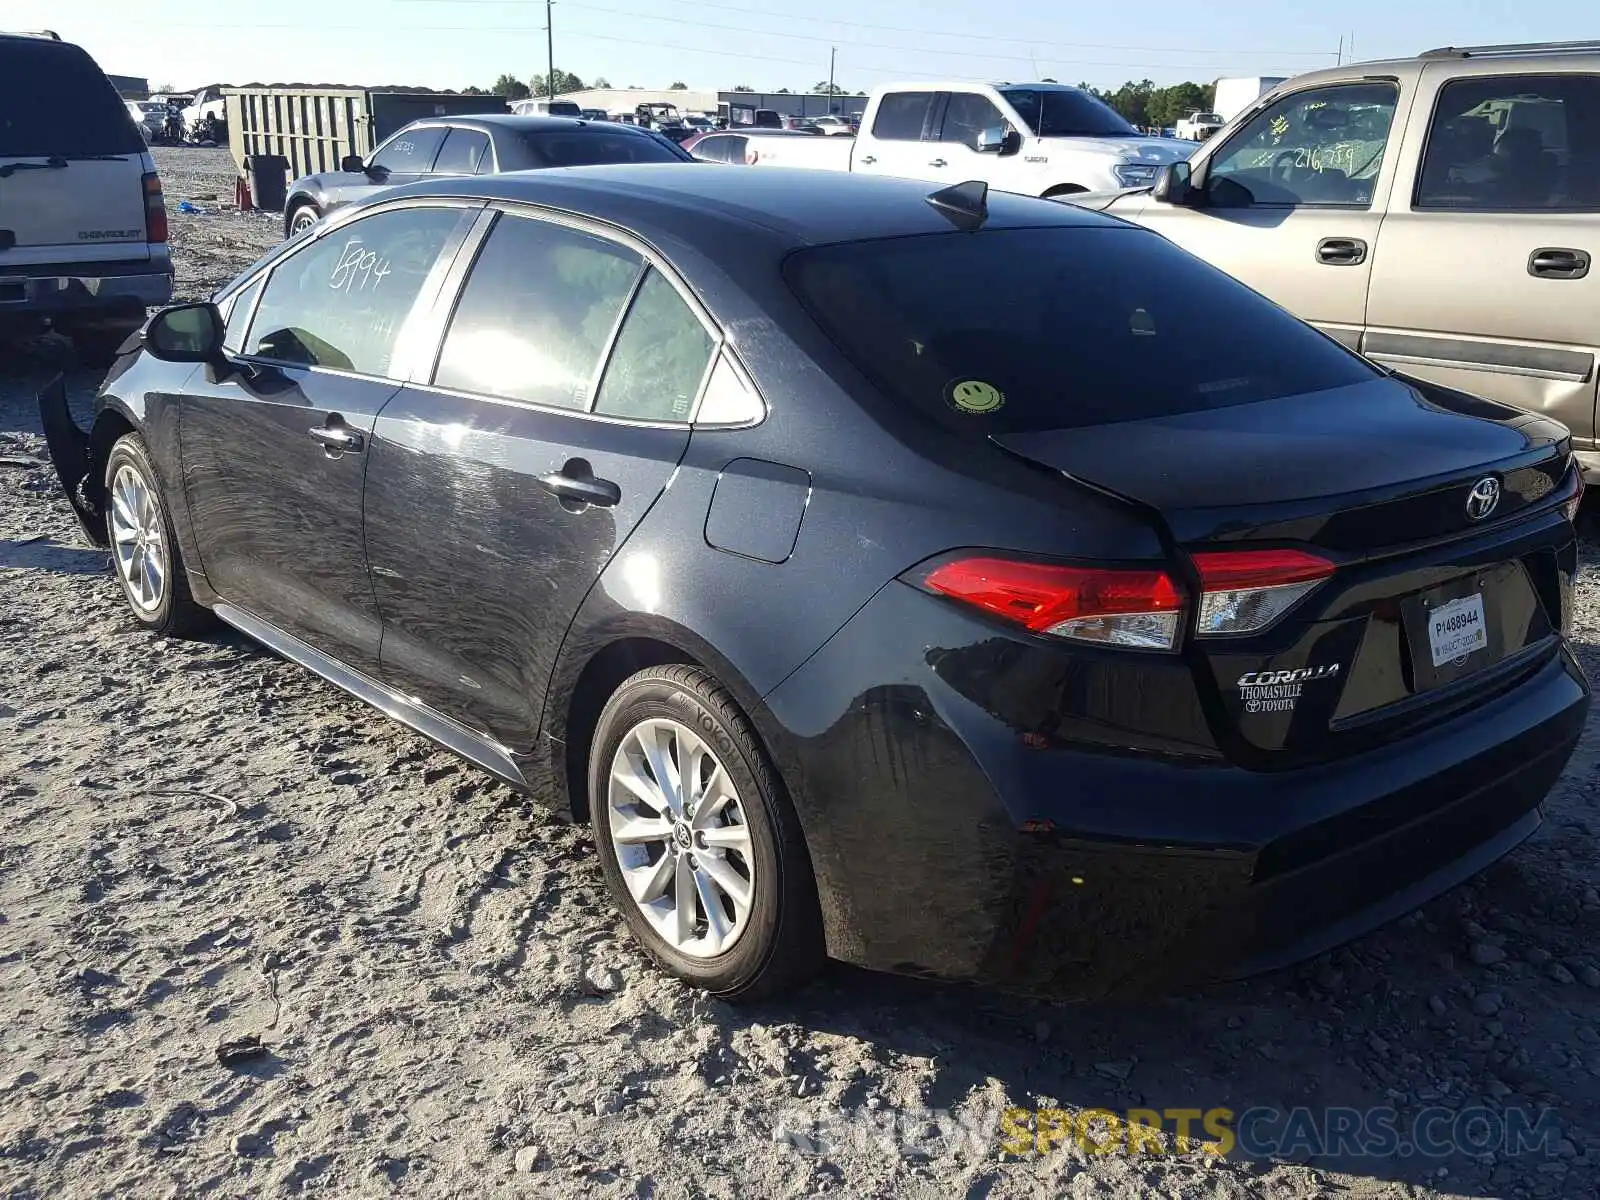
(1427, 606)
(61, 211)
(1362, 469)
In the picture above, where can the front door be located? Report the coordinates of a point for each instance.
(1294, 200)
(405, 158)
(1485, 276)
(275, 453)
(498, 492)
(954, 158)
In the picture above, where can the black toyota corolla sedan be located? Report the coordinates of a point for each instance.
(963, 585)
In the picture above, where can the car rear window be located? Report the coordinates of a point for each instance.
(54, 100)
(586, 147)
(1015, 330)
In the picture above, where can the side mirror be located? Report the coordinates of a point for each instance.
(1175, 185)
(997, 139)
(353, 163)
(186, 333)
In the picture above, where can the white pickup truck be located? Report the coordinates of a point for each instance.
(1040, 139)
(1198, 126)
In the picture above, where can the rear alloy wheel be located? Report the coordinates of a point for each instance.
(699, 846)
(305, 216)
(144, 548)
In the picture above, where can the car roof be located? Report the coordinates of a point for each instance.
(697, 204)
(517, 123)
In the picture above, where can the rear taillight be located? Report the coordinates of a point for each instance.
(155, 209)
(1243, 591)
(1108, 606)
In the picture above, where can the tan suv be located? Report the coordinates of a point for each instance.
(1440, 214)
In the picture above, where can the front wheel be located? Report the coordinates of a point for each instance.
(698, 842)
(301, 218)
(144, 547)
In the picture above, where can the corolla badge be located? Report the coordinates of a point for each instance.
(1483, 498)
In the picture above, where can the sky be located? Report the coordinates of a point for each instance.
(768, 44)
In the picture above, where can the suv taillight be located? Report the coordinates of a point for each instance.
(1110, 606)
(155, 209)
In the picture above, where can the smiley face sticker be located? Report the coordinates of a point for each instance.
(974, 396)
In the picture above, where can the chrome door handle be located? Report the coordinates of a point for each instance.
(1342, 252)
(337, 439)
(575, 484)
(869, 159)
(938, 162)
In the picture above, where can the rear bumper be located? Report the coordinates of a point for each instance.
(950, 848)
(121, 288)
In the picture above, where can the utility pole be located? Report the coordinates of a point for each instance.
(833, 53)
(550, 49)
(1339, 58)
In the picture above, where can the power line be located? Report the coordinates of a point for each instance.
(482, 29)
(807, 37)
(981, 37)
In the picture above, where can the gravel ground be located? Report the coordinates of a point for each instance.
(200, 843)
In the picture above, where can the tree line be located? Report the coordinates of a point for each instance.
(1145, 104)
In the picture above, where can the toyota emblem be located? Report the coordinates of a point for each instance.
(1483, 498)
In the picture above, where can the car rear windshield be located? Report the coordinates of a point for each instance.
(1016, 330)
(1066, 113)
(586, 147)
(54, 100)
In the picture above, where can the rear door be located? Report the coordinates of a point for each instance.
(275, 455)
(464, 152)
(72, 161)
(503, 479)
(1295, 199)
(898, 141)
(1485, 276)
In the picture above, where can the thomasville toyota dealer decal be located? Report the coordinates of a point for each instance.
(1279, 691)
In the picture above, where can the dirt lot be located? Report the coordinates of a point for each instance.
(200, 842)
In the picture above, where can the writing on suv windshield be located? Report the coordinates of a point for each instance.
(1066, 113)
